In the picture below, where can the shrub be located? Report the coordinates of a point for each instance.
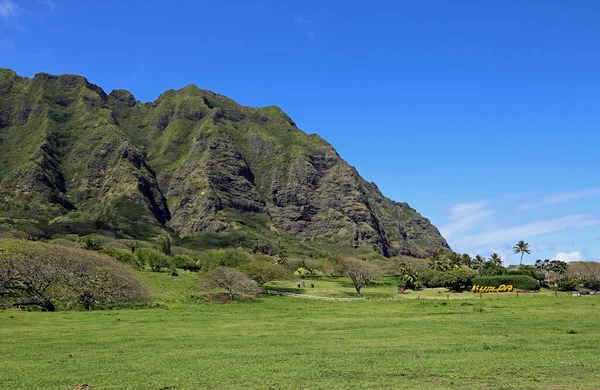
(263, 272)
(184, 262)
(431, 278)
(124, 256)
(37, 274)
(89, 242)
(155, 260)
(231, 258)
(570, 284)
(522, 282)
(455, 280)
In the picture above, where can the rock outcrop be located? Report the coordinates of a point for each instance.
(192, 161)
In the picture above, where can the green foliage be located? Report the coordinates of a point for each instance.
(523, 282)
(164, 245)
(183, 261)
(124, 256)
(42, 275)
(231, 258)
(491, 268)
(455, 280)
(263, 272)
(528, 270)
(569, 284)
(588, 272)
(89, 242)
(155, 260)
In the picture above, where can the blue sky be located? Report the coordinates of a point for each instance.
(483, 115)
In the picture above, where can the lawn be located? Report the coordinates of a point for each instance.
(289, 343)
(387, 288)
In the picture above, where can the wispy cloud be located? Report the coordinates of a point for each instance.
(573, 256)
(312, 35)
(525, 231)
(560, 198)
(8, 9)
(48, 3)
(466, 216)
(300, 20)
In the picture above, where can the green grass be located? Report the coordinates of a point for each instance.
(287, 343)
(387, 288)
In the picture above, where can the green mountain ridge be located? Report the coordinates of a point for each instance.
(192, 161)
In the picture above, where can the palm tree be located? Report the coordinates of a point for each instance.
(478, 262)
(496, 259)
(558, 267)
(466, 259)
(522, 247)
(409, 275)
(437, 260)
(455, 260)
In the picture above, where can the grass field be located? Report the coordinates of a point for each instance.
(286, 343)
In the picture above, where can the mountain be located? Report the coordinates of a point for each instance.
(192, 161)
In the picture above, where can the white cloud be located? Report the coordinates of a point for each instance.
(465, 216)
(311, 35)
(573, 256)
(48, 3)
(560, 198)
(7, 9)
(525, 231)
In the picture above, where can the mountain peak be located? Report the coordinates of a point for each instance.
(193, 162)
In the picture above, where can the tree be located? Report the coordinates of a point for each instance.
(521, 247)
(40, 274)
(478, 262)
(282, 254)
(155, 260)
(409, 275)
(164, 245)
(456, 280)
(438, 260)
(558, 267)
(360, 272)
(587, 272)
(467, 260)
(455, 260)
(263, 272)
(230, 279)
(496, 259)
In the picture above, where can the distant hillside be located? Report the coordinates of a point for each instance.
(192, 161)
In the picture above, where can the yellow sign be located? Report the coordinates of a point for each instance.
(487, 289)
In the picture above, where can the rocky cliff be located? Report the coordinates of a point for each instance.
(191, 161)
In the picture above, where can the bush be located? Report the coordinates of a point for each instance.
(529, 271)
(155, 260)
(567, 285)
(231, 258)
(37, 274)
(184, 262)
(263, 272)
(430, 278)
(522, 282)
(455, 280)
(89, 242)
(124, 256)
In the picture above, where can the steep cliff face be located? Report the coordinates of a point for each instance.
(192, 161)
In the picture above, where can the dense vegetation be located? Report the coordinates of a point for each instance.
(75, 160)
(517, 281)
(36, 274)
